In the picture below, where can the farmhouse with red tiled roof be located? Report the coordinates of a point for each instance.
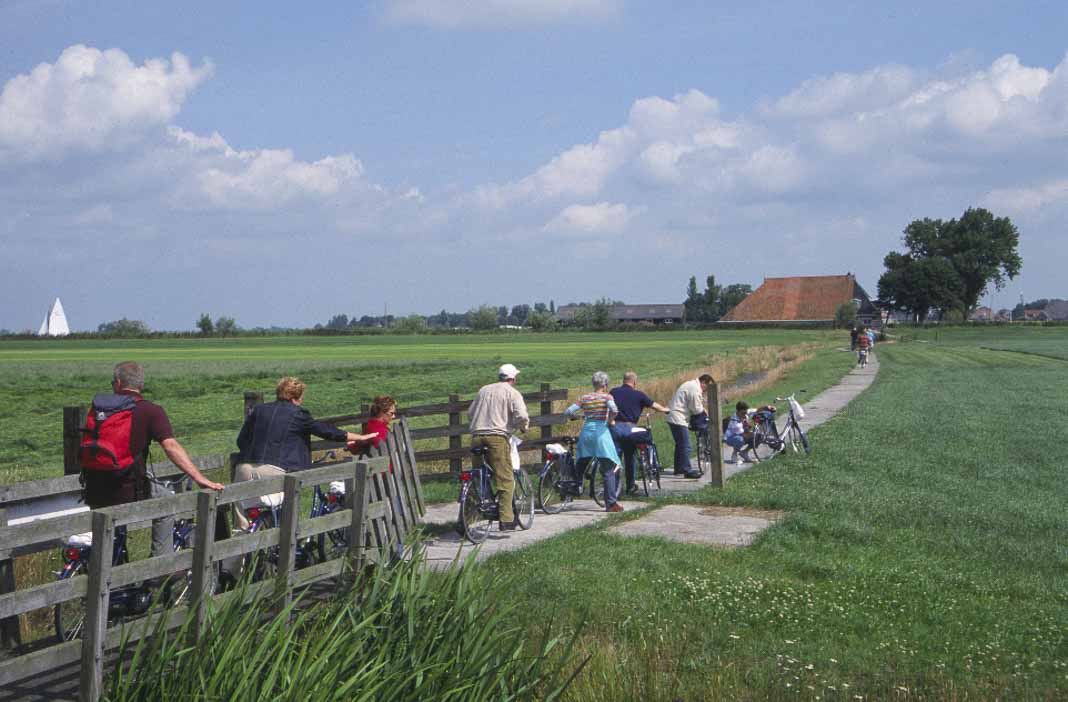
(809, 299)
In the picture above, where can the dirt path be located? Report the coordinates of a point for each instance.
(447, 546)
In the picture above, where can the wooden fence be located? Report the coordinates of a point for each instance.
(383, 506)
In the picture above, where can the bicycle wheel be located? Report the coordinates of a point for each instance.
(760, 449)
(796, 439)
(650, 471)
(704, 452)
(69, 619)
(475, 523)
(523, 500)
(551, 497)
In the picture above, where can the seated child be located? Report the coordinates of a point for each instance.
(738, 436)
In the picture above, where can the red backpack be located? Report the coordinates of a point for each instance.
(106, 436)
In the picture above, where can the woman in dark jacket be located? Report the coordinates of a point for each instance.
(276, 437)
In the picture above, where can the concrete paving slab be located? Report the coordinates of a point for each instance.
(724, 527)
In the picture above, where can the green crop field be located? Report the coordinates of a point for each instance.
(201, 381)
(1025, 338)
(923, 554)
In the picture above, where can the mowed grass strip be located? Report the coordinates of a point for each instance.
(924, 556)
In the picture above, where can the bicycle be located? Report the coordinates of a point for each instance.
(766, 441)
(68, 617)
(793, 436)
(648, 460)
(557, 484)
(479, 506)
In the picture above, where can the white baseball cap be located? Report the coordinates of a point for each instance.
(508, 371)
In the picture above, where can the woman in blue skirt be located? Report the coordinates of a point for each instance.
(595, 443)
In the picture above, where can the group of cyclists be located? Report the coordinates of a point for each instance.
(275, 437)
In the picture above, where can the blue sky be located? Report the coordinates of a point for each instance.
(286, 164)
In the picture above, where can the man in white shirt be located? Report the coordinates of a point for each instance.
(497, 412)
(688, 400)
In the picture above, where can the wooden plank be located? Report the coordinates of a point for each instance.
(203, 573)
(41, 661)
(715, 432)
(154, 508)
(155, 567)
(287, 540)
(326, 474)
(319, 571)
(545, 409)
(356, 491)
(10, 635)
(31, 489)
(73, 420)
(22, 538)
(340, 519)
(378, 493)
(413, 467)
(245, 543)
(398, 500)
(402, 477)
(454, 438)
(251, 489)
(40, 596)
(96, 607)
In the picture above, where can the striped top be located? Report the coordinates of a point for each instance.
(594, 407)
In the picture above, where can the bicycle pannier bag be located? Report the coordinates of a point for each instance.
(105, 444)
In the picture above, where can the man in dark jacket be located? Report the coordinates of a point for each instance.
(276, 437)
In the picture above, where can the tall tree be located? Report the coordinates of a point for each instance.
(918, 285)
(205, 325)
(980, 247)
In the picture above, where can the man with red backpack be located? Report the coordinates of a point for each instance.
(114, 449)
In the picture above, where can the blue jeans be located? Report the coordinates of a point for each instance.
(623, 433)
(681, 436)
(611, 478)
(736, 442)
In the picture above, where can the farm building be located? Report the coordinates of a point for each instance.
(654, 314)
(803, 299)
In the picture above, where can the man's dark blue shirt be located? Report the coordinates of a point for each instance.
(630, 403)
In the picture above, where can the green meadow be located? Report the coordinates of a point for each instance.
(923, 554)
(201, 382)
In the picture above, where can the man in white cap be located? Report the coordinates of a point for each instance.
(499, 410)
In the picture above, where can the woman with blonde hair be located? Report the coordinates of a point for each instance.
(276, 436)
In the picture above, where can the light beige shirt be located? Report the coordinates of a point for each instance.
(687, 401)
(499, 410)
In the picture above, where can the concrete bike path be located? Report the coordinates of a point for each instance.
(447, 545)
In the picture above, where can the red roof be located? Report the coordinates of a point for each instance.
(802, 298)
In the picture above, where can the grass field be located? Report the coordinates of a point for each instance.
(1044, 341)
(923, 555)
(201, 382)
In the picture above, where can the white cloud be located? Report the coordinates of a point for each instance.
(485, 13)
(91, 100)
(1029, 199)
(879, 87)
(601, 218)
(222, 177)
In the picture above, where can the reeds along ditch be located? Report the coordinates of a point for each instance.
(400, 632)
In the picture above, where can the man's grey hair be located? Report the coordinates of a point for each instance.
(600, 379)
(130, 374)
(630, 377)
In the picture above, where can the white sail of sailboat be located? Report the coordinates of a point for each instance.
(55, 321)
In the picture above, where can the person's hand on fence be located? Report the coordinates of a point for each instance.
(209, 484)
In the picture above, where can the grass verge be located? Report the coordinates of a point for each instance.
(922, 557)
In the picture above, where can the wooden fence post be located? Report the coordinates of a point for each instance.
(252, 398)
(73, 418)
(10, 636)
(546, 408)
(455, 442)
(97, 599)
(287, 541)
(203, 565)
(715, 435)
(357, 492)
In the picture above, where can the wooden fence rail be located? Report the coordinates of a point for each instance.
(20, 502)
(382, 506)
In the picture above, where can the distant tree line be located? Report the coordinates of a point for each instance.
(715, 301)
